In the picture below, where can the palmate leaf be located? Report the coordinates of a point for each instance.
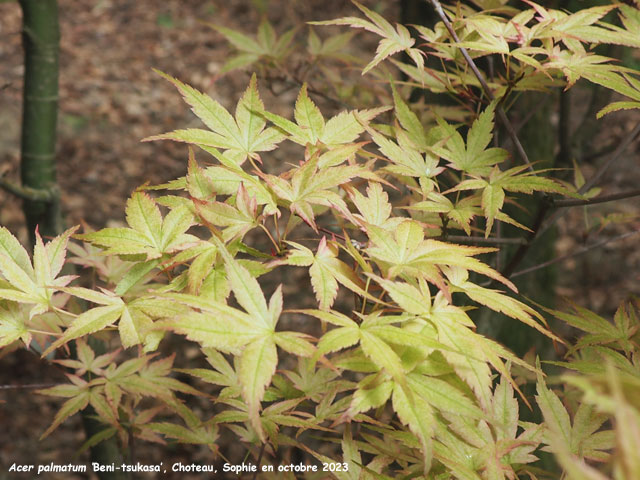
(483, 440)
(149, 234)
(560, 435)
(33, 284)
(311, 129)
(257, 365)
(461, 213)
(416, 413)
(250, 334)
(334, 46)
(313, 186)
(155, 379)
(216, 325)
(406, 159)
(580, 26)
(407, 252)
(374, 208)
(264, 46)
(372, 392)
(13, 324)
(473, 157)
(198, 436)
(600, 331)
(227, 179)
(346, 335)
(79, 395)
(238, 219)
(500, 302)
(410, 122)
(512, 180)
(472, 366)
(242, 137)
(326, 272)
(135, 318)
(556, 417)
(394, 40)
(416, 301)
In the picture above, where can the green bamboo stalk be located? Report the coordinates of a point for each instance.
(41, 39)
(39, 190)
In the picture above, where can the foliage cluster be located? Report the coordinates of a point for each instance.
(384, 207)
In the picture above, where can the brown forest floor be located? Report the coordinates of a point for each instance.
(110, 99)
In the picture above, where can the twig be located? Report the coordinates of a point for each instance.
(599, 153)
(580, 251)
(485, 87)
(291, 81)
(33, 385)
(523, 249)
(28, 193)
(598, 175)
(614, 156)
(606, 198)
(329, 232)
(255, 474)
(483, 241)
(540, 228)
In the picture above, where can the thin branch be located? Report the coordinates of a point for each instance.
(262, 447)
(598, 175)
(540, 228)
(27, 193)
(482, 240)
(575, 253)
(606, 198)
(24, 387)
(599, 153)
(506, 123)
(332, 233)
(614, 156)
(291, 81)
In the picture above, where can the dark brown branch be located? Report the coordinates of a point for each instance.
(591, 201)
(614, 156)
(598, 175)
(506, 123)
(539, 228)
(575, 253)
(599, 153)
(523, 249)
(262, 447)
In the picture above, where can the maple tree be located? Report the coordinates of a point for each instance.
(387, 207)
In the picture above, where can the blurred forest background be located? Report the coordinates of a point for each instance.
(110, 99)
